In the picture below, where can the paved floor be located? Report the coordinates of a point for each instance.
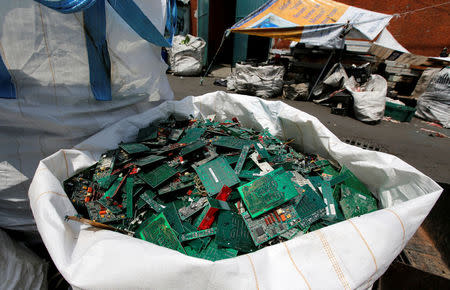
(431, 155)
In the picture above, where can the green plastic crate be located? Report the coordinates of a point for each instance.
(399, 112)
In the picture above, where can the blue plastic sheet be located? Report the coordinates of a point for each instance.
(7, 88)
(171, 22)
(97, 48)
(68, 6)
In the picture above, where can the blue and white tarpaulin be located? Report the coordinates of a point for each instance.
(315, 22)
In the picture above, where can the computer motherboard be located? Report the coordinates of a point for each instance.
(214, 189)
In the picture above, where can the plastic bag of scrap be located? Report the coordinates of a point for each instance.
(186, 55)
(295, 91)
(333, 80)
(350, 254)
(20, 268)
(434, 103)
(264, 81)
(54, 107)
(369, 99)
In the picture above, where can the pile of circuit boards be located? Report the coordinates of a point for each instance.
(214, 190)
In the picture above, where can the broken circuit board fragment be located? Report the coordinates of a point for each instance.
(310, 208)
(233, 233)
(231, 142)
(99, 213)
(198, 234)
(158, 176)
(215, 174)
(158, 231)
(267, 192)
(192, 135)
(213, 252)
(271, 224)
(355, 203)
(134, 148)
(105, 165)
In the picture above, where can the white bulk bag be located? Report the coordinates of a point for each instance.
(265, 81)
(20, 268)
(369, 100)
(434, 103)
(351, 254)
(186, 55)
(45, 53)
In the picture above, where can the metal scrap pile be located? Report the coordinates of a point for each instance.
(214, 190)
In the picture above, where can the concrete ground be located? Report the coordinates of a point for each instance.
(431, 155)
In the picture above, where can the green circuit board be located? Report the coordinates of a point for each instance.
(215, 174)
(272, 224)
(148, 160)
(232, 159)
(163, 187)
(156, 177)
(147, 133)
(107, 181)
(133, 148)
(192, 147)
(231, 142)
(113, 189)
(292, 233)
(233, 233)
(105, 165)
(310, 208)
(192, 135)
(175, 186)
(241, 160)
(193, 208)
(129, 185)
(175, 134)
(267, 192)
(196, 244)
(355, 203)
(353, 182)
(99, 214)
(214, 253)
(158, 231)
(333, 212)
(147, 197)
(197, 234)
(171, 214)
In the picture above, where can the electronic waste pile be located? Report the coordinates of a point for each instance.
(214, 190)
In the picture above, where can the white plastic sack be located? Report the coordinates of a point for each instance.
(20, 268)
(369, 100)
(424, 81)
(45, 52)
(434, 103)
(185, 55)
(351, 254)
(263, 81)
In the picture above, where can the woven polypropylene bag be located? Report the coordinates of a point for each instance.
(351, 254)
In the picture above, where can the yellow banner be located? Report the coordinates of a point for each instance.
(285, 18)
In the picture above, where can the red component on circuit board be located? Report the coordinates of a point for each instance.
(212, 212)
